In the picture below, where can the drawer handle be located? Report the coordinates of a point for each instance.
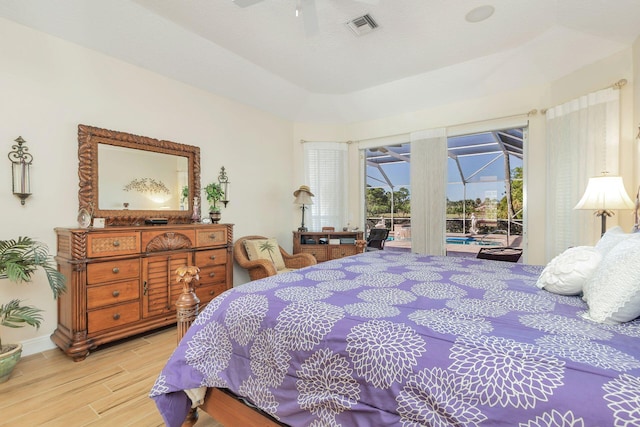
(116, 294)
(116, 316)
(212, 292)
(212, 274)
(212, 257)
(116, 270)
(212, 236)
(116, 243)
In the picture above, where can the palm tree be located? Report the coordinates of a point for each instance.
(268, 247)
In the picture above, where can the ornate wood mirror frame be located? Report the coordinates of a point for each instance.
(89, 139)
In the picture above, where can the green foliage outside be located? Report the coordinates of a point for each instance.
(516, 196)
(378, 203)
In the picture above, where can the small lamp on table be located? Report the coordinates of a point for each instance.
(303, 197)
(603, 194)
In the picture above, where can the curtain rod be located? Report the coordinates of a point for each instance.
(532, 112)
(617, 85)
(304, 141)
(528, 114)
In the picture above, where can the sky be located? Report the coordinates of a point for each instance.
(484, 172)
(489, 182)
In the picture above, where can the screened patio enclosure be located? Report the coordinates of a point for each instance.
(479, 169)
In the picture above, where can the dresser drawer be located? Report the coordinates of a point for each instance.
(340, 251)
(212, 237)
(110, 271)
(211, 257)
(167, 240)
(115, 293)
(212, 274)
(113, 317)
(318, 251)
(206, 293)
(109, 244)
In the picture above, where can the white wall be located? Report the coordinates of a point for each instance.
(50, 86)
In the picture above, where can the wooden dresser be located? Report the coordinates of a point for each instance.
(121, 280)
(319, 244)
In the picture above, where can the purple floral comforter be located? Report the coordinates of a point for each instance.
(399, 339)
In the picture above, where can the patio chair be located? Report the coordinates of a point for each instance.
(377, 238)
(501, 253)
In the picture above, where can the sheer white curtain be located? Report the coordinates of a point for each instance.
(582, 142)
(326, 175)
(428, 191)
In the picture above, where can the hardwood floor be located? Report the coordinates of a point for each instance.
(109, 388)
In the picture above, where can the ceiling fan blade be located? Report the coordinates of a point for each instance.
(310, 16)
(245, 3)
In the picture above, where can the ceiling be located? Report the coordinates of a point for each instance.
(265, 56)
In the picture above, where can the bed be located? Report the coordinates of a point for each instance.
(389, 338)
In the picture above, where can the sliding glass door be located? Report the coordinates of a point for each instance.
(484, 192)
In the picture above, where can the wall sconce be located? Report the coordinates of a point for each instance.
(223, 180)
(21, 169)
(303, 197)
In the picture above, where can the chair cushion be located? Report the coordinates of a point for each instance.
(265, 249)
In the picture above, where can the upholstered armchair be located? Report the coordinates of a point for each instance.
(263, 257)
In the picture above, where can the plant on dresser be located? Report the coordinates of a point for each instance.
(19, 260)
(122, 279)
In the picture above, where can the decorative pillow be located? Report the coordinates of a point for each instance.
(611, 238)
(613, 292)
(567, 273)
(265, 249)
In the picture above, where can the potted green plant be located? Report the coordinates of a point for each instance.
(19, 259)
(214, 194)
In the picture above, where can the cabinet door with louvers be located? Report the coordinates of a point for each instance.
(160, 290)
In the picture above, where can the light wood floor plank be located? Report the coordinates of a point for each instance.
(109, 388)
(79, 417)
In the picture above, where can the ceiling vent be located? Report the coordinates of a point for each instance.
(362, 25)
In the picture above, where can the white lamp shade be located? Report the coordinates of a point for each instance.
(605, 193)
(303, 198)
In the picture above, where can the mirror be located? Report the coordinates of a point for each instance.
(127, 178)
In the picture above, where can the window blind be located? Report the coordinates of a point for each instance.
(326, 174)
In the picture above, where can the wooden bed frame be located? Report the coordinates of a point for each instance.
(220, 404)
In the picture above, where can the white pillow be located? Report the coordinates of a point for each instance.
(611, 238)
(613, 292)
(568, 272)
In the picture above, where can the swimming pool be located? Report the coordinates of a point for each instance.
(470, 241)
